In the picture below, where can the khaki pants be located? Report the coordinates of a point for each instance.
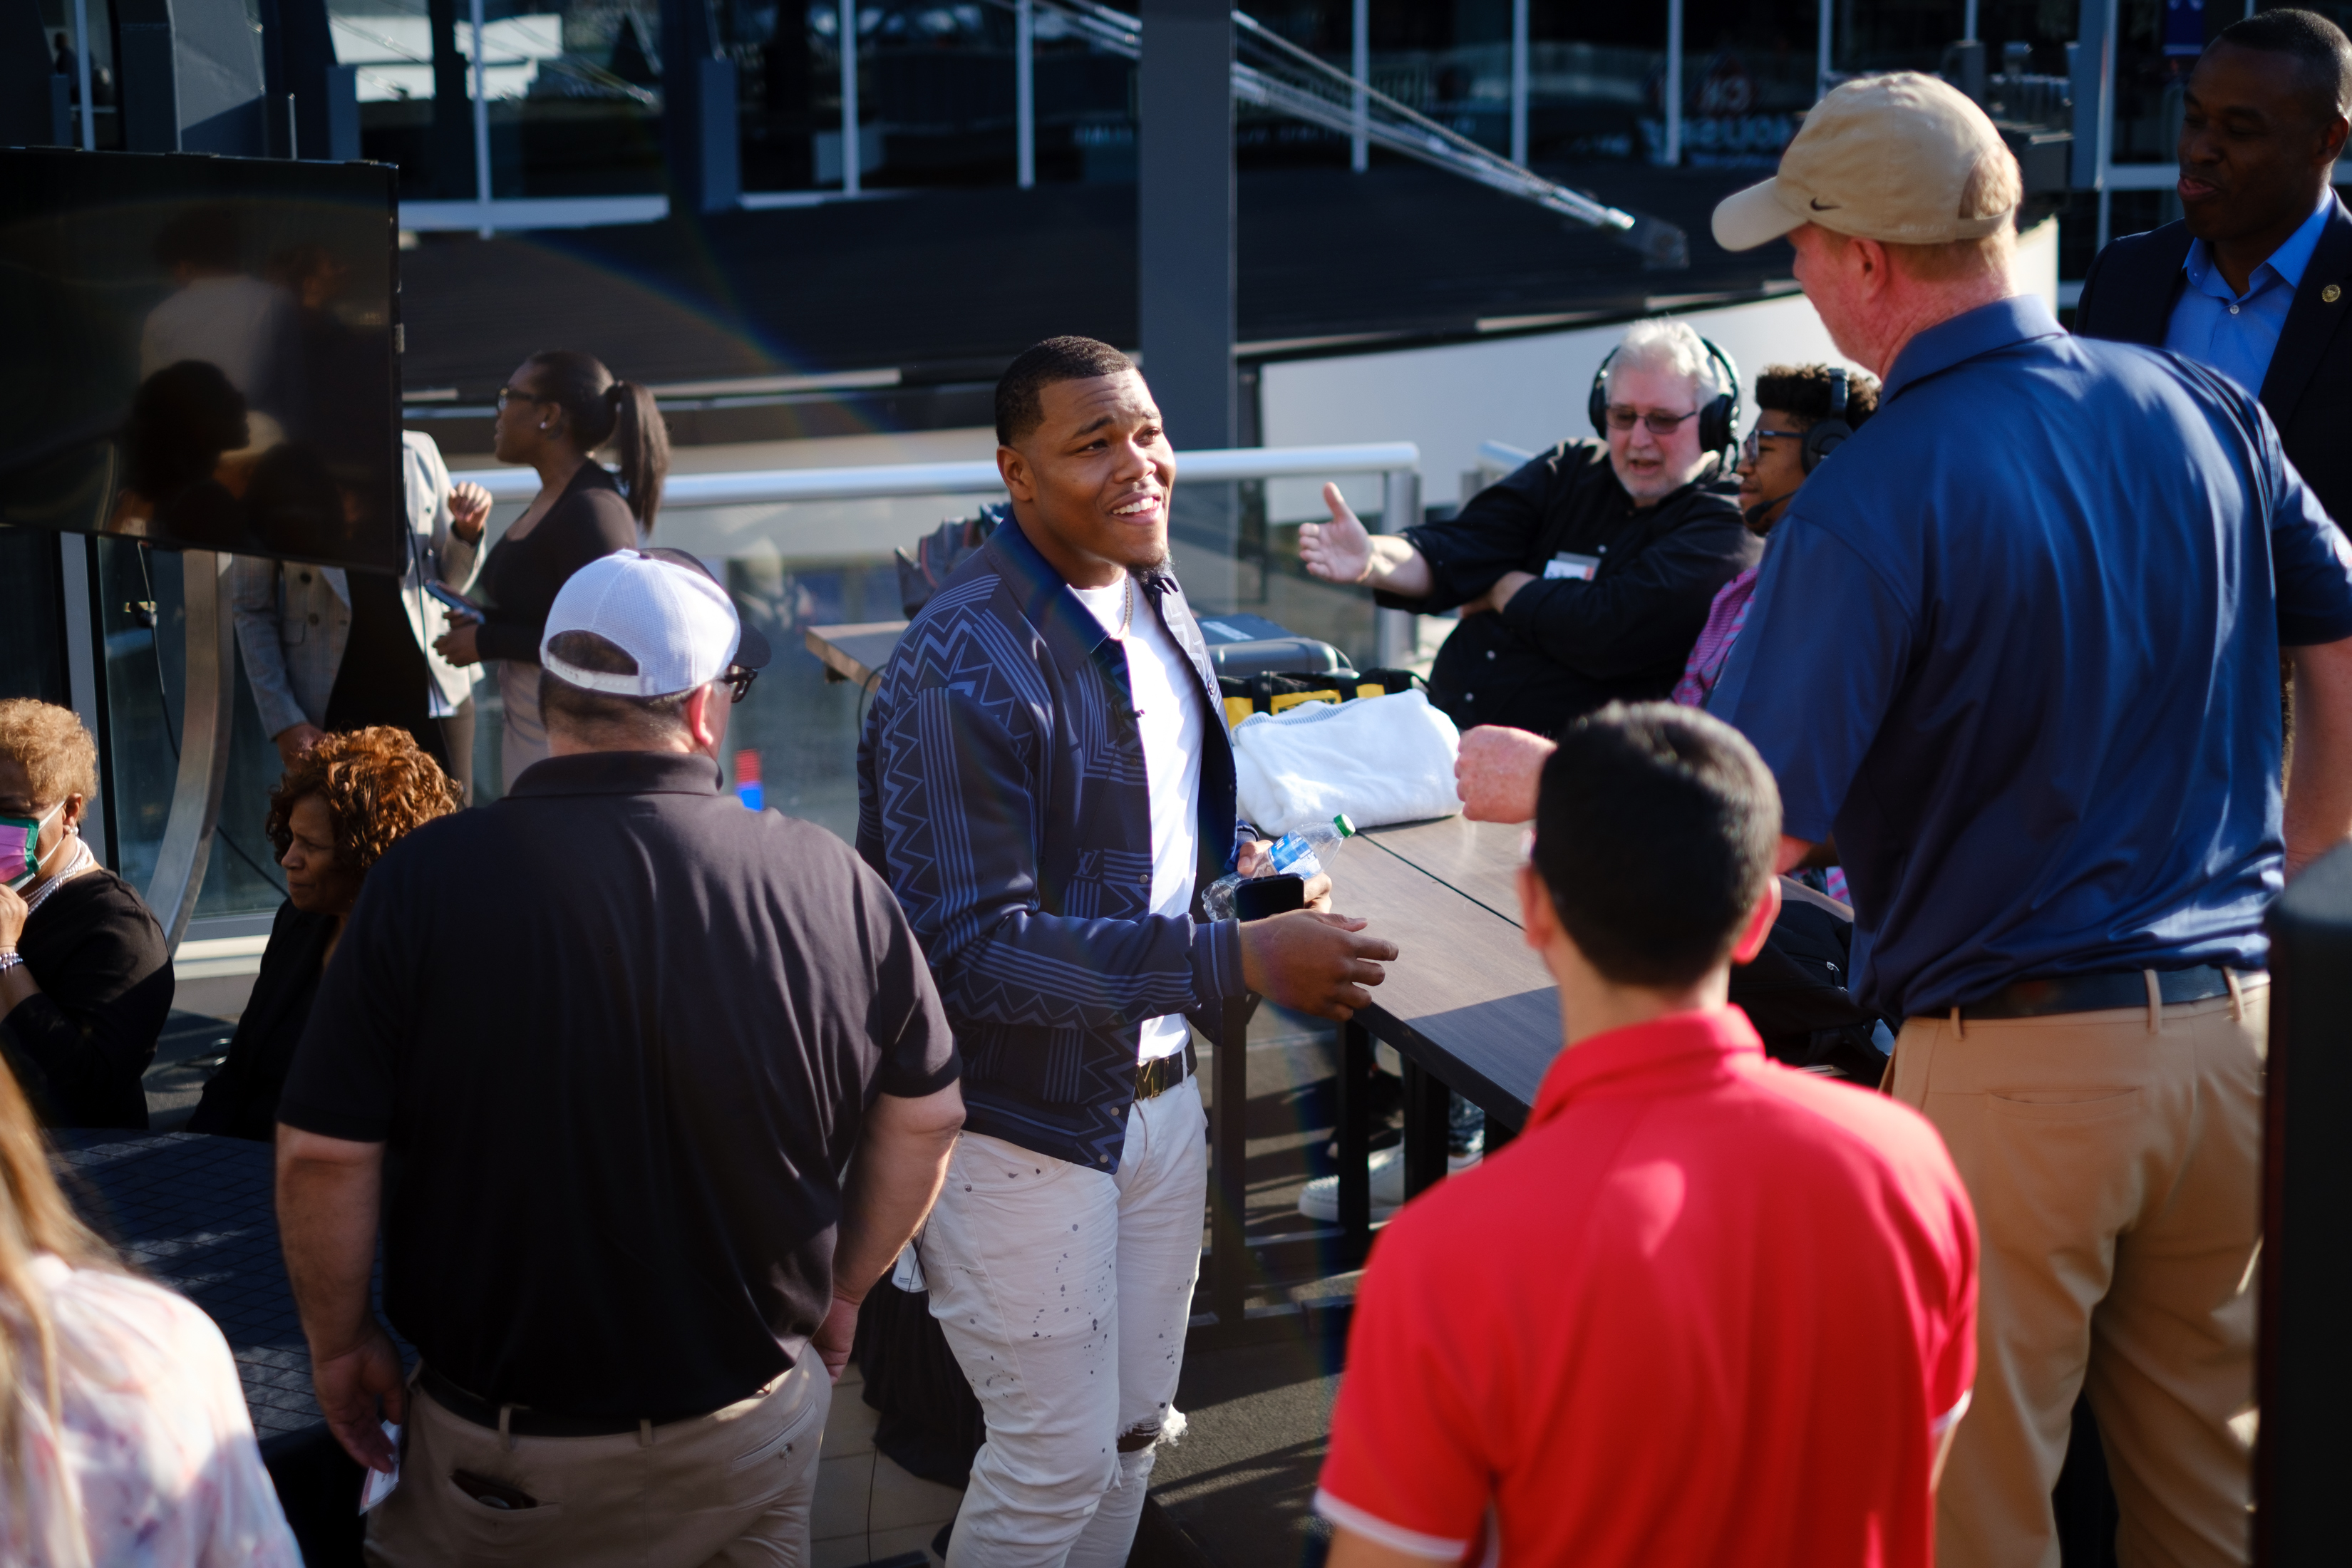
(2116, 1173)
(731, 1488)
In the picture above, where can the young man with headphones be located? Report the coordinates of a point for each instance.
(1803, 412)
(1584, 577)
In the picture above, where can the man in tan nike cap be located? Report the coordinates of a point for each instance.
(2033, 608)
(1909, 166)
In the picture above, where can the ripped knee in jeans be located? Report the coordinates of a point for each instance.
(1138, 1437)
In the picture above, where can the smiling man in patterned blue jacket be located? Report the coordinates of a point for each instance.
(1046, 781)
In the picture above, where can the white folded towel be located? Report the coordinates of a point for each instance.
(1379, 759)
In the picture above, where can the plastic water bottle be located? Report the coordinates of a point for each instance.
(1299, 853)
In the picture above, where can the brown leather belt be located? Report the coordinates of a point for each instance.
(1161, 1074)
(524, 1422)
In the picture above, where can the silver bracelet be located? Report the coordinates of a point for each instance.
(9, 959)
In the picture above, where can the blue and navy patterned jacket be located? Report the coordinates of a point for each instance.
(1001, 793)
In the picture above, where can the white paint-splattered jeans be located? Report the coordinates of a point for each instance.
(1065, 1293)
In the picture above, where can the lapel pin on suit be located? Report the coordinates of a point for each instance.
(2329, 295)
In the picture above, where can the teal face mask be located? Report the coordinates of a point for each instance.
(20, 848)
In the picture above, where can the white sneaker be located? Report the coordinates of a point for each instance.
(1321, 1201)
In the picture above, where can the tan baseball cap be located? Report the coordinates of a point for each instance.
(1882, 157)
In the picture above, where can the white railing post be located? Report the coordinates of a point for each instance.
(1222, 466)
(1394, 630)
(1025, 94)
(848, 25)
(1360, 61)
(1519, 82)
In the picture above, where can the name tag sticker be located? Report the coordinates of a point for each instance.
(1581, 567)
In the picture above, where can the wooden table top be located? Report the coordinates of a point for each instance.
(858, 652)
(1467, 997)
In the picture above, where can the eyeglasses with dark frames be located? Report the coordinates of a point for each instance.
(1622, 416)
(517, 395)
(1750, 446)
(739, 680)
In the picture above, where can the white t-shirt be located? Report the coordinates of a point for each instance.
(1168, 707)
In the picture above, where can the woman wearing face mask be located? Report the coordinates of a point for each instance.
(85, 974)
(342, 804)
(557, 410)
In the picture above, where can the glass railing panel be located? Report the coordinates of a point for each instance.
(143, 626)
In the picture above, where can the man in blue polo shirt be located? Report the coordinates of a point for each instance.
(2029, 687)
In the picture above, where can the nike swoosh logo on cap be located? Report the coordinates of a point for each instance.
(1822, 207)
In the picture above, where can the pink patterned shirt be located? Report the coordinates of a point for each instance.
(1725, 617)
(155, 1465)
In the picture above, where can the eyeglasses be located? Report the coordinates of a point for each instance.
(1623, 417)
(516, 394)
(1750, 446)
(739, 680)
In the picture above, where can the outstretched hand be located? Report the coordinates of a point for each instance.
(1340, 550)
(358, 1392)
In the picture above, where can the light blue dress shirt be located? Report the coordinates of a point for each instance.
(2237, 333)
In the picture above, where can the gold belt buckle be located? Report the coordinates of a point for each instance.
(1152, 1079)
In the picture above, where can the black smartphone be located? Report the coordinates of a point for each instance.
(1263, 896)
(490, 1493)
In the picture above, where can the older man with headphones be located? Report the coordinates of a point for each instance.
(1584, 577)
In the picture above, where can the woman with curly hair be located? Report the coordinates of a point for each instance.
(342, 804)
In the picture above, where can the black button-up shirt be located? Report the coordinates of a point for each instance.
(1569, 644)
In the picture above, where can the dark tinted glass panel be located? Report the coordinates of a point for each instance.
(199, 354)
(32, 619)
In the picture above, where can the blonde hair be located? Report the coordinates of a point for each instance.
(35, 1218)
(1994, 189)
(50, 744)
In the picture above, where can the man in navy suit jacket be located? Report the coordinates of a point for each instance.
(2256, 280)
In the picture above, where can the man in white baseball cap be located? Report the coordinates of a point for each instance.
(2036, 608)
(623, 1034)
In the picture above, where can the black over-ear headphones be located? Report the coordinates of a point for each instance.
(1718, 416)
(1828, 435)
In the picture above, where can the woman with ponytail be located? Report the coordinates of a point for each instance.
(124, 1437)
(555, 412)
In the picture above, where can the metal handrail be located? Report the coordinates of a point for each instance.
(756, 487)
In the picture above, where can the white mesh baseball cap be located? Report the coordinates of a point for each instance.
(665, 610)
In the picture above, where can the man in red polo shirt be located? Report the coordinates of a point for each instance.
(1705, 1308)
